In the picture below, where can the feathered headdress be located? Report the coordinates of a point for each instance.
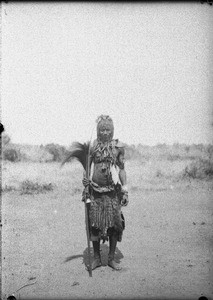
(80, 152)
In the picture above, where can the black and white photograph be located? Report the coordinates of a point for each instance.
(106, 150)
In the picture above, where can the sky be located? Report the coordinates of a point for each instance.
(147, 65)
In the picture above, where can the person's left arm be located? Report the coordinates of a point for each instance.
(122, 175)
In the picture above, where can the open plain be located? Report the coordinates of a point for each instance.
(167, 246)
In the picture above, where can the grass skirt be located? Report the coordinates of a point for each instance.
(105, 216)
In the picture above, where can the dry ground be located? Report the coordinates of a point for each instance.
(166, 251)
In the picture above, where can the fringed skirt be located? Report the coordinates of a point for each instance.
(105, 216)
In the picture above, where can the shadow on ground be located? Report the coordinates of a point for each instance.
(69, 258)
(104, 249)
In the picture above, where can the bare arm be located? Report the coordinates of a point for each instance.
(122, 177)
(122, 171)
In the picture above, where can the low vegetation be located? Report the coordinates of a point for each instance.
(11, 154)
(199, 158)
(199, 169)
(58, 152)
(8, 188)
(29, 187)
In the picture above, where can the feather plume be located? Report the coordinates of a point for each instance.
(78, 151)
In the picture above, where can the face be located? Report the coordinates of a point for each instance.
(105, 133)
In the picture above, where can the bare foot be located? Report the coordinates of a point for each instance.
(96, 263)
(114, 265)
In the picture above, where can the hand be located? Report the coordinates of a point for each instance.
(85, 195)
(124, 189)
(85, 181)
(124, 200)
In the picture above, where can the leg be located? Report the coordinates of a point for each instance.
(112, 247)
(97, 257)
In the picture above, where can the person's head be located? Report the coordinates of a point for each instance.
(105, 128)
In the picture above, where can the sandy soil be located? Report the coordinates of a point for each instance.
(166, 251)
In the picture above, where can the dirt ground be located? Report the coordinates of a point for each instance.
(167, 246)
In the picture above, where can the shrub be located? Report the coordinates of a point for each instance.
(29, 187)
(161, 146)
(8, 188)
(200, 169)
(209, 150)
(35, 154)
(58, 152)
(5, 139)
(173, 157)
(132, 153)
(187, 148)
(11, 154)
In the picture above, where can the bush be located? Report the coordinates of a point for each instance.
(11, 154)
(173, 157)
(29, 187)
(132, 153)
(35, 154)
(5, 139)
(8, 188)
(200, 169)
(58, 152)
(209, 150)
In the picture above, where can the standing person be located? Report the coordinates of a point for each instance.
(108, 191)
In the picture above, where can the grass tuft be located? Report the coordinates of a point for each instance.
(199, 169)
(8, 188)
(30, 187)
